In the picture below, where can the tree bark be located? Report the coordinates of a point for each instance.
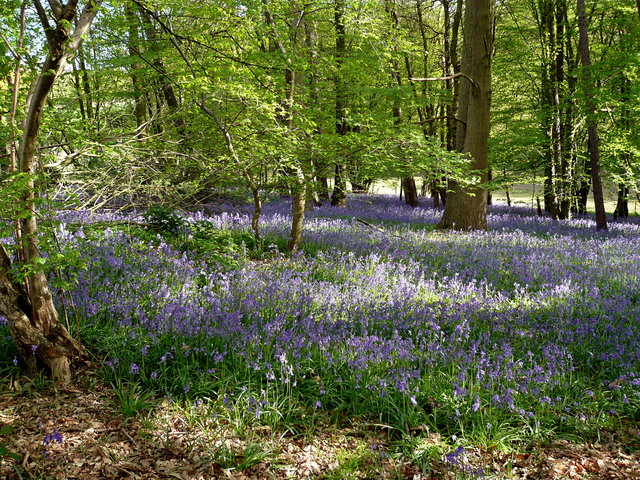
(140, 109)
(167, 92)
(339, 195)
(592, 124)
(622, 205)
(299, 187)
(32, 315)
(466, 208)
(410, 191)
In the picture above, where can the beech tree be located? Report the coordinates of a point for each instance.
(466, 207)
(592, 126)
(28, 307)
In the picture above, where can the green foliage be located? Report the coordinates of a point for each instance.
(131, 398)
(163, 218)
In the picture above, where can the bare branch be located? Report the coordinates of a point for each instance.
(444, 79)
(42, 14)
(15, 54)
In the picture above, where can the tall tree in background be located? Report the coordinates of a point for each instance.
(287, 115)
(339, 195)
(592, 124)
(466, 207)
(29, 309)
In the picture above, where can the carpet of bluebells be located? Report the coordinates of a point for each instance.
(532, 326)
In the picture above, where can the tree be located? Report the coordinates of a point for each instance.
(592, 126)
(29, 309)
(339, 195)
(466, 207)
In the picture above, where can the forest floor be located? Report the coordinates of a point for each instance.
(77, 433)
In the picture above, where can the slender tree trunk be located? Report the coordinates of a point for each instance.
(563, 124)
(550, 102)
(408, 184)
(246, 173)
(86, 87)
(167, 92)
(339, 196)
(451, 65)
(318, 191)
(466, 208)
(78, 86)
(13, 160)
(592, 125)
(140, 109)
(584, 188)
(299, 188)
(569, 120)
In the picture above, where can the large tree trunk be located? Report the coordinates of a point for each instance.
(38, 334)
(31, 313)
(466, 208)
(592, 126)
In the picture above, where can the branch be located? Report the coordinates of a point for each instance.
(89, 12)
(374, 227)
(56, 7)
(42, 14)
(15, 54)
(444, 79)
(441, 117)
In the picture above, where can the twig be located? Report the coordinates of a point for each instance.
(375, 227)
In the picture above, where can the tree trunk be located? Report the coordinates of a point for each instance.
(466, 208)
(339, 196)
(622, 205)
(140, 109)
(592, 126)
(78, 86)
(563, 122)
(31, 313)
(299, 187)
(86, 87)
(584, 188)
(410, 191)
(167, 92)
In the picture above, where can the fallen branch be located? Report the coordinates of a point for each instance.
(375, 227)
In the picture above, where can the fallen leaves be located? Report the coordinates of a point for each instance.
(97, 443)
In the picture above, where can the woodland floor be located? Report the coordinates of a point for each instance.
(97, 443)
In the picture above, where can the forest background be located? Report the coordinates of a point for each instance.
(156, 110)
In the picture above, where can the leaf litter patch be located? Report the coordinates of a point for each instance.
(76, 433)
